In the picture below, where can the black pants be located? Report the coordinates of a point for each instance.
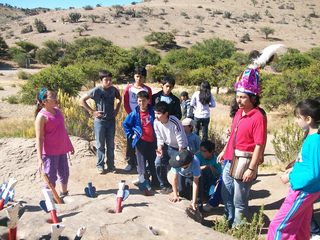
(130, 154)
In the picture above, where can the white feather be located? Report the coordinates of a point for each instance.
(266, 54)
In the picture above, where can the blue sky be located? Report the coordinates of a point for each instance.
(64, 3)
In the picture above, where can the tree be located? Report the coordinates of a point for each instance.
(40, 26)
(254, 2)
(51, 52)
(267, 31)
(79, 30)
(93, 17)
(164, 40)
(27, 46)
(74, 17)
(3, 48)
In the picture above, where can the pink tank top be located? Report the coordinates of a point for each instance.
(56, 139)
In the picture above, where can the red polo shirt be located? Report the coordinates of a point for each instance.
(251, 131)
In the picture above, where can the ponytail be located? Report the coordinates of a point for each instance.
(41, 96)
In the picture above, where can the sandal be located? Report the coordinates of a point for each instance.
(62, 195)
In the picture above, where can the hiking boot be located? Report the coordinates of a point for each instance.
(128, 168)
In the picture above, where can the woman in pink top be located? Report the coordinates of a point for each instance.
(52, 140)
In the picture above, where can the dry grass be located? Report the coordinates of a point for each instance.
(20, 127)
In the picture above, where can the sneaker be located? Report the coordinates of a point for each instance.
(128, 168)
(112, 169)
(100, 170)
(207, 208)
(62, 195)
(315, 237)
(165, 190)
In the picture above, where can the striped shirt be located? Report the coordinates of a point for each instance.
(170, 133)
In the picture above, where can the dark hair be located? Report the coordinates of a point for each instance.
(104, 73)
(233, 108)
(168, 79)
(309, 107)
(142, 94)
(140, 71)
(254, 99)
(162, 107)
(205, 93)
(184, 94)
(208, 145)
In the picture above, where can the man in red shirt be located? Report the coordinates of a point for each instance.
(248, 136)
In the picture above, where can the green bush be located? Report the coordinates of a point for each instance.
(88, 7)
(74, 17)
(51, 52)
(164, 40)
(69, 80)
(314, 53)
(40, 26)
(287, 143)
(3, 48)
(27, 46)
(23, 75)
(293, 60)
(27, 29)
(12, 99)
(22, 59)
(246, 231)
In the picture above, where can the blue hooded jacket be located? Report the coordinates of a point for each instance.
(132, 125)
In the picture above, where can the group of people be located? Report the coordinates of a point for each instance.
(169, 155)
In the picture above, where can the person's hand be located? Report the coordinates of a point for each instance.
(159, 152)
(40, 166)
(220, 157)
(284, 178)
(193, 205)
(248, 175)
(97, 114)
(174, 198)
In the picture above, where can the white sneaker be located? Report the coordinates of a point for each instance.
(128, 168)
(207, 208)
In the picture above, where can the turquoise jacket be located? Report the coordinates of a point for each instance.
(305, 175)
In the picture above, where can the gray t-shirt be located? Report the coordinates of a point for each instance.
(104, 99)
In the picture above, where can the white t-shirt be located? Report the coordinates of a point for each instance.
(200, 110)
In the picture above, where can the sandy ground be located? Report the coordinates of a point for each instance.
(191, 21)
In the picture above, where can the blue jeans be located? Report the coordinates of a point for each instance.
(202, 123)
(235, 196)
(104, 131)
(162, 164)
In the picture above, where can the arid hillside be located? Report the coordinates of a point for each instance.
(295, 23)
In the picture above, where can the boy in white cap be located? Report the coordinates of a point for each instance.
(193, 139)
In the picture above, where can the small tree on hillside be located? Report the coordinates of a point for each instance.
(79, 30)
(3, 48)
(267, 31)
(93, 17)
(164, 40)
(74, 17)
(40, 26)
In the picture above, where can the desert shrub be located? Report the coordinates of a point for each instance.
(22, 59)
(68, 80)
(51, 52)
(23, 75)
(77, 121)
(164, 40)
(93, 17)
(13, 99)
(227, 14)
(314, 53)
(3, 48)
(88, 7)
(1, 88)
(196, 76)
(245, 38)
(287, 143)
(40, 26)
(246, 231)
(74, 17)
(182, 59)
(267, 31)
(156, 73)
(241, 58)
(27, 46)
(27, 29)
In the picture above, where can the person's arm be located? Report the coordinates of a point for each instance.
(127, 126)
(175, 196)
(177, 108)
(251, 172)
(180, 136)
(212, 103)
(84, 104)
(160, 142)
(195, 186)
(39, 128)
(119, 100)
(126, 99)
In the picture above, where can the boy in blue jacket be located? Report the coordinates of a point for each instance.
(138, 126)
